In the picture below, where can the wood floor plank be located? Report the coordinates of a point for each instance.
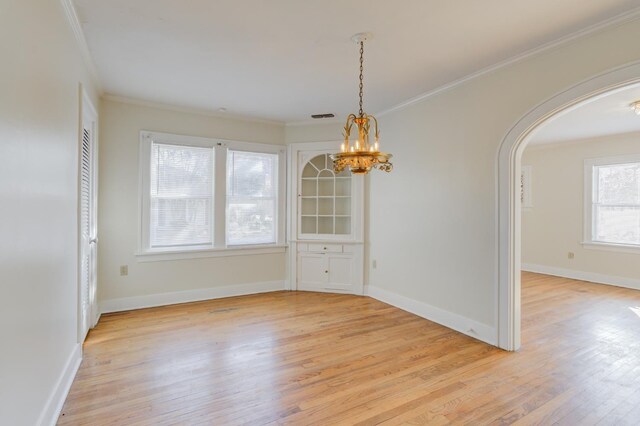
(316, 358)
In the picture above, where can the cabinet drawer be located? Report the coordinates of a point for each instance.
(348, 248)
(325, 248)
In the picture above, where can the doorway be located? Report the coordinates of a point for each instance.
(509, 188)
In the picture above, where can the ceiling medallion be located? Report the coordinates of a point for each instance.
(360, 156)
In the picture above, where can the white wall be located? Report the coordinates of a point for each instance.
(322, 131)
(121, 123)
(445, 151)
(433, 219)
(554, 226)
(39, 110)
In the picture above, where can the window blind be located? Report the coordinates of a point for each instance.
(616, 207)
(181, 197)
(251, 197)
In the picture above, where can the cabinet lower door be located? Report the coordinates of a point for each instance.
(312, 272)
(340, 273)
(325, 272)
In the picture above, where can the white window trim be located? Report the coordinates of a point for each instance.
(588, 242)
(219, 247)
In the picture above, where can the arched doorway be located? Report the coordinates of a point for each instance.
(508, 209)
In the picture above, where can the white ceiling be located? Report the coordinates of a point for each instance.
(607, 115)
(286, 59)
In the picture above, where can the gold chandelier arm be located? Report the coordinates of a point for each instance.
(375, 121)
(348, 125)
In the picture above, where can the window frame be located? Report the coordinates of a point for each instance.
(590, 188)
(219, 247)
(149, 201)
(274, 198)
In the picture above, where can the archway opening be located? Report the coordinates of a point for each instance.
(510, 187)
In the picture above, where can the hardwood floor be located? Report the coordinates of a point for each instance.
(311, 358)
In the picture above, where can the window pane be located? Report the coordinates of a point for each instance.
(617, 224)
(251, 221)
(619, 184)
(181, 195)
(180, 221)
(251, 197)
(251, 174)
(181, 170)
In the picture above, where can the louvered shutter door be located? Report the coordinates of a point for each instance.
(85, 205)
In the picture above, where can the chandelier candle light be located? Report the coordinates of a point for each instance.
(361, 155)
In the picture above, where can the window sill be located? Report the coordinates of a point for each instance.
(621, 248)
(159, 256)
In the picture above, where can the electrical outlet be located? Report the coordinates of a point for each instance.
(124, 270)
(374, 264)
(571, 255)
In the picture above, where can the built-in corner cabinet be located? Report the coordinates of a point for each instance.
(326, 222)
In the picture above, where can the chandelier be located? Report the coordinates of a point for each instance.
(361, 155)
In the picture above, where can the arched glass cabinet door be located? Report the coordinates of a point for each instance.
(325, 199)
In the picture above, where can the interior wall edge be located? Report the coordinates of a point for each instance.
(459, 323)
(78, 33)
(592, 277)
(53, 407)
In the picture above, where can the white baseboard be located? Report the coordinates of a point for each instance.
(456, 322)
(162, 299)
(583, 276)
(53, 407)
(97, 318)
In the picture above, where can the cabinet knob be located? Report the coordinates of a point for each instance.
(324, 248)
(326, 272)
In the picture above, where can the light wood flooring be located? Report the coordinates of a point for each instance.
(310, 358)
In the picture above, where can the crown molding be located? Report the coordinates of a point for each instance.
(187, 110)
(315, 122)
(611, 22)
(74, 23)
(76, 28)
(600, 26)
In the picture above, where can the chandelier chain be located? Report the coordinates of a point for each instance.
(361, 112)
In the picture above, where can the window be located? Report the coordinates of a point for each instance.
(203, 197)
(612, 193)
(181, 195)
(251, 197)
